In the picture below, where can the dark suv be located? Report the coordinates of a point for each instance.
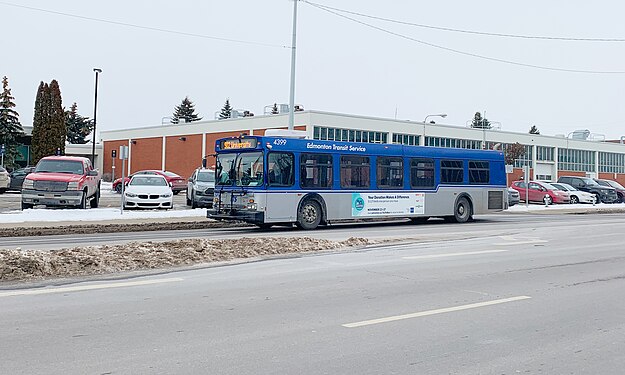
(620, 190)
(603, 194)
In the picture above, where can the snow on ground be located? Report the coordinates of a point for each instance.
(98, 214)
(537, 208)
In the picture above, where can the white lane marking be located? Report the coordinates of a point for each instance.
(31, 292)
(519, 243)
(453, 254)
(433, 312)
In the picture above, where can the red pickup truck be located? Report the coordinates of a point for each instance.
(62, 181)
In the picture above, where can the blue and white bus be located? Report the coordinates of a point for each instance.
(280, 181)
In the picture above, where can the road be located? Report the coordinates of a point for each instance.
(515, 297)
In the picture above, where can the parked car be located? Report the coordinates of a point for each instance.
(178, 183)
(5, 180)
(604, 194)
(148, 191)
(17, 177)
(577, 196)
(513, 197)
(620, 190)
(201, 188)
(538, 191)
(62, 181)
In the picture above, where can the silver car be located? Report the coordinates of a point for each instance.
(5, 180)
(201, 188)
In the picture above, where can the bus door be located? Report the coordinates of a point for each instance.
(281, 204)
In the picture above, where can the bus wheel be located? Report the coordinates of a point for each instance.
(462, 211)
(309, 215)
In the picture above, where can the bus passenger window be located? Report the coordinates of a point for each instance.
(316, 171)
(422, 173)
(479, 172)
(355, 172)
(452, 172)
(281, 169)
(390, 172)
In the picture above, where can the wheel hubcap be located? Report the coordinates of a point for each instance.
(309, 214)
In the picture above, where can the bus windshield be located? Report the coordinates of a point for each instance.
(243, 169)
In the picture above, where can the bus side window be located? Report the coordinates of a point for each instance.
(390, 172)
(452, 172)
(422, 173)
(355, 172)
(281, 169)
(315, 171)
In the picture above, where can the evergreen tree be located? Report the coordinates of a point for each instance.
(10, 127)
(78, 127)
(274, 110)
(57, 118)
(479, 122)
(534, 130)
(226, 111)
(186, 111)
(49, 130)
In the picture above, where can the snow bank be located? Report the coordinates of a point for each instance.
(97, 260)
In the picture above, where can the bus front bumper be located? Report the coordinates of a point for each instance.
(253, 217)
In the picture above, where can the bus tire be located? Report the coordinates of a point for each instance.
(462, 211)
(309, 215)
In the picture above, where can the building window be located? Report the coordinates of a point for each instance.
(348, 135)
(576, 160)
(610, 162)
(390, 172)
(421, 173)
(544, 153)
(452, 172)
(406, 139)
(355, 172)
(452, 143)
(316, 171)
(479, 172)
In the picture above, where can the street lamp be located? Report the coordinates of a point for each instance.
(425, 121)
(95, 112)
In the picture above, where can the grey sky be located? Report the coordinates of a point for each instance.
(341, 66)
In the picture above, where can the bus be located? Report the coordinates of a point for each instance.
(279, 180)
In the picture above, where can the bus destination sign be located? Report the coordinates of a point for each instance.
(238, 143)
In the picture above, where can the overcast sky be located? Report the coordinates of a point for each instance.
(342, 66)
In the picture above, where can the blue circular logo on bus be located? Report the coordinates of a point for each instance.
(359, 204)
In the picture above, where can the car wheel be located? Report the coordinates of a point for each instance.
(176, 192)
(189, 199)
(83, 201)
(193, 202)
(309, 215)
(597, 198)
(548, 200)
(2, 191)
(574, 199)
(95, 201)
(118, 188)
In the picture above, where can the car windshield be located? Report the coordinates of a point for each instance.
(206, 176)
(616, 185)
(244, 169)
(148, 181)
(589, 181)
(59, 166)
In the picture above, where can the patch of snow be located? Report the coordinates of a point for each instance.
(521, 207)
(94, 214)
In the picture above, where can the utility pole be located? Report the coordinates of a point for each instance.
(292, 90)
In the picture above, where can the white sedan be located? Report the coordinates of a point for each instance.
(148, 191)
(577, 196)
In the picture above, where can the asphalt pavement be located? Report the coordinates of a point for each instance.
(505, 296)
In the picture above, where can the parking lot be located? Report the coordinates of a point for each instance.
(11, 200)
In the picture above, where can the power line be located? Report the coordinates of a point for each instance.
(458, 51)
(325, 7)
(146, 27)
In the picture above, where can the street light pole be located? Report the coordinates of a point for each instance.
(95, 113)
(292, 88)
(425, 121)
